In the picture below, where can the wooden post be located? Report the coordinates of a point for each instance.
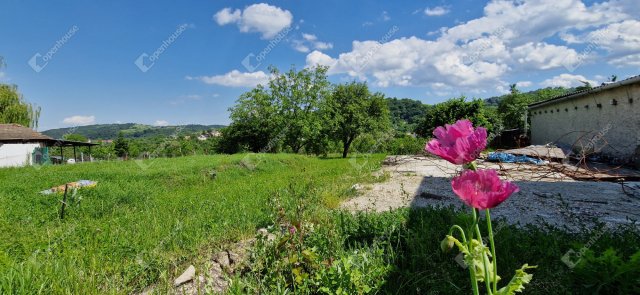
(61, 155)
(64, 201)
(90, 159)
(75, 157)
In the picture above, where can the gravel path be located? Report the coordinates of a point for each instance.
(545, 196)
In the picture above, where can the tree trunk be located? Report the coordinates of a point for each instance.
(347, 144)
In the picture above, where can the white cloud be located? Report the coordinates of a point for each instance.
(511, 37)
(235, 78)
(567, 81)
(625, 61)
(436, 11)
(385, 16)
(79, 120)
(160, 123)
(524, 84)
(263, 18)
(543, 56)
(310, 41)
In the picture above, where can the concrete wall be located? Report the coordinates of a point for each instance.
(613, 130)
(16, 155)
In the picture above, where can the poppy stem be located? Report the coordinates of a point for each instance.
(493, 252)
(484, 256)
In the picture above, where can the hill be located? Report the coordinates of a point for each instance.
(129, 130)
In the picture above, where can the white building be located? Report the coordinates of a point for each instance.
(604, 120)
(20, 146)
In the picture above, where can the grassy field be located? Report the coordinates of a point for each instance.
(142, 223)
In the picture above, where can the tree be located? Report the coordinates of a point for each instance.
(283, 114)
(351, 110)
(455, 109)
(297, 96)
(121, 146)
(13, 108)
(255, 123)
(513, 106)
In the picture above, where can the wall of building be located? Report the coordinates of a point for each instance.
(593, 123)
(16, 155)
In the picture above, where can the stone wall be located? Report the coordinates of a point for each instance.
(606, 122)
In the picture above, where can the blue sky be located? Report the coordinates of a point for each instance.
(88, 62)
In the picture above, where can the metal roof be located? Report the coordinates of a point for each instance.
(575, 94)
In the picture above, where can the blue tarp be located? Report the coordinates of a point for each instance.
(511, 158)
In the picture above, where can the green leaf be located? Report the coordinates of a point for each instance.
(517, 282)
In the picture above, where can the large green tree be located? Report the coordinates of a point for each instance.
(297, 96)
(283, 114)
(351, 110)
(13, 107)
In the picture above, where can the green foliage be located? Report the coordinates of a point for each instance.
(513, 107)
(312, 257)
(75, 137)
(455, 109)
(284, 115)
(14, 109)
(351, 111)
(406, 113)
(609, 272)
(121, 146)
(138, 226)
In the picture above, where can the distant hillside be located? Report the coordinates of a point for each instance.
(129, 130)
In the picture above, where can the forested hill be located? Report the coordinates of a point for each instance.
(129, 130)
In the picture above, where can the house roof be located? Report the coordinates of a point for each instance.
(576, 94)
(14, 133)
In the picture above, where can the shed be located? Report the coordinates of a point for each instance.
(22, 146)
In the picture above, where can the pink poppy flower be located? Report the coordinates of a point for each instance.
(482, 189)
(458, 143)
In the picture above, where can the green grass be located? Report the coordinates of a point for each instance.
(141, 226)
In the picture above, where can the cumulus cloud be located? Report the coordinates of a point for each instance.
(436, 11)
(310, 41)
(567, 81)
(78, 120)
(160, 123)
(235, 78)
(263, 18)
(511, 37)
(524, 83)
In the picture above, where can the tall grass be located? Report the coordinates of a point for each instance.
(140, 226)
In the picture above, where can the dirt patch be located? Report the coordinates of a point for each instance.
(545, 196)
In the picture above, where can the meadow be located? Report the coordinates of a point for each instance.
(146, 221)
(143, 220)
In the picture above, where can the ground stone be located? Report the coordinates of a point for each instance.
(186, 276)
